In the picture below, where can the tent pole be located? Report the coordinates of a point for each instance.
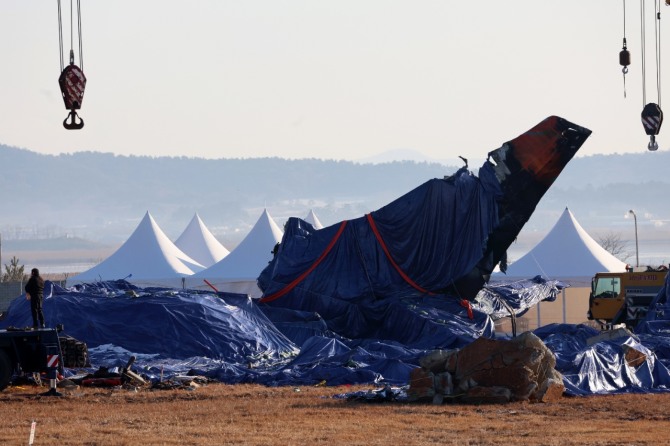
(538, 315)
(564, 311)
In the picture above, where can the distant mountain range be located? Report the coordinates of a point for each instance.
(101, 197)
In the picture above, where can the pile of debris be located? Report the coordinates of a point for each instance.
(489, 371)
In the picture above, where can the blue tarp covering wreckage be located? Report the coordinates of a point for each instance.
(232, 338)
(363, 300)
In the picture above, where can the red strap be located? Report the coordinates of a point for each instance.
(388, 255)
(210, 285)
(466, 303)
(302, 276)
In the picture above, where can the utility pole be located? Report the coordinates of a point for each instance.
(637, 252)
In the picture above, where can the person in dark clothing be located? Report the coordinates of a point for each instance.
(35, 294)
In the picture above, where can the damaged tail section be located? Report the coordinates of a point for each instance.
(525, 168)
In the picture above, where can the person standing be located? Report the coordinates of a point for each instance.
(35, 294)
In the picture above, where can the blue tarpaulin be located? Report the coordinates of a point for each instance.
(168, 323)
(506, 298)
(231, 338)
(602, 368)
(436, 233)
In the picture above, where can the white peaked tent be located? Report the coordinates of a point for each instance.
(238, 271)
(200, 244)
(566, 253)
(313, 220)
(147, 258)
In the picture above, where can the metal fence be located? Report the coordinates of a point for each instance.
(8, 292)
(11, 290)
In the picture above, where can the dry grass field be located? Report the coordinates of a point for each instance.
(218, 414)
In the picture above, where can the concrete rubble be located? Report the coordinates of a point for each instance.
(489, 371)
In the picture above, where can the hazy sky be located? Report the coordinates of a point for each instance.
(342, 79)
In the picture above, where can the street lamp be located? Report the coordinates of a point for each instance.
(637, 255)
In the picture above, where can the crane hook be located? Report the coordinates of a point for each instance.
(72, 83)
(652, 119)
(653, 145)
(624, 61)
(73, 124)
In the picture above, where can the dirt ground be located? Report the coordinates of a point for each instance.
(218, 414)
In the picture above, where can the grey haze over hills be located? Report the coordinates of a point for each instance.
(395, 155)
(101, 197)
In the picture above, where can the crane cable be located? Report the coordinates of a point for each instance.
(657, 47)
(657, 38)
(79, 33)
(652, 115)
(624, 55)
(60, 37)
(643, 45)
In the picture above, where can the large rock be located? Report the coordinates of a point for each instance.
(439, 361)
(524, 366)
(425, 385)
(421, 385)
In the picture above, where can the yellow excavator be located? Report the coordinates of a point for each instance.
(624, 298)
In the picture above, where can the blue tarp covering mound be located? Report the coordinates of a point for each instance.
(166, 323)
(602, 367)
(230, 338)
(233, 339)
